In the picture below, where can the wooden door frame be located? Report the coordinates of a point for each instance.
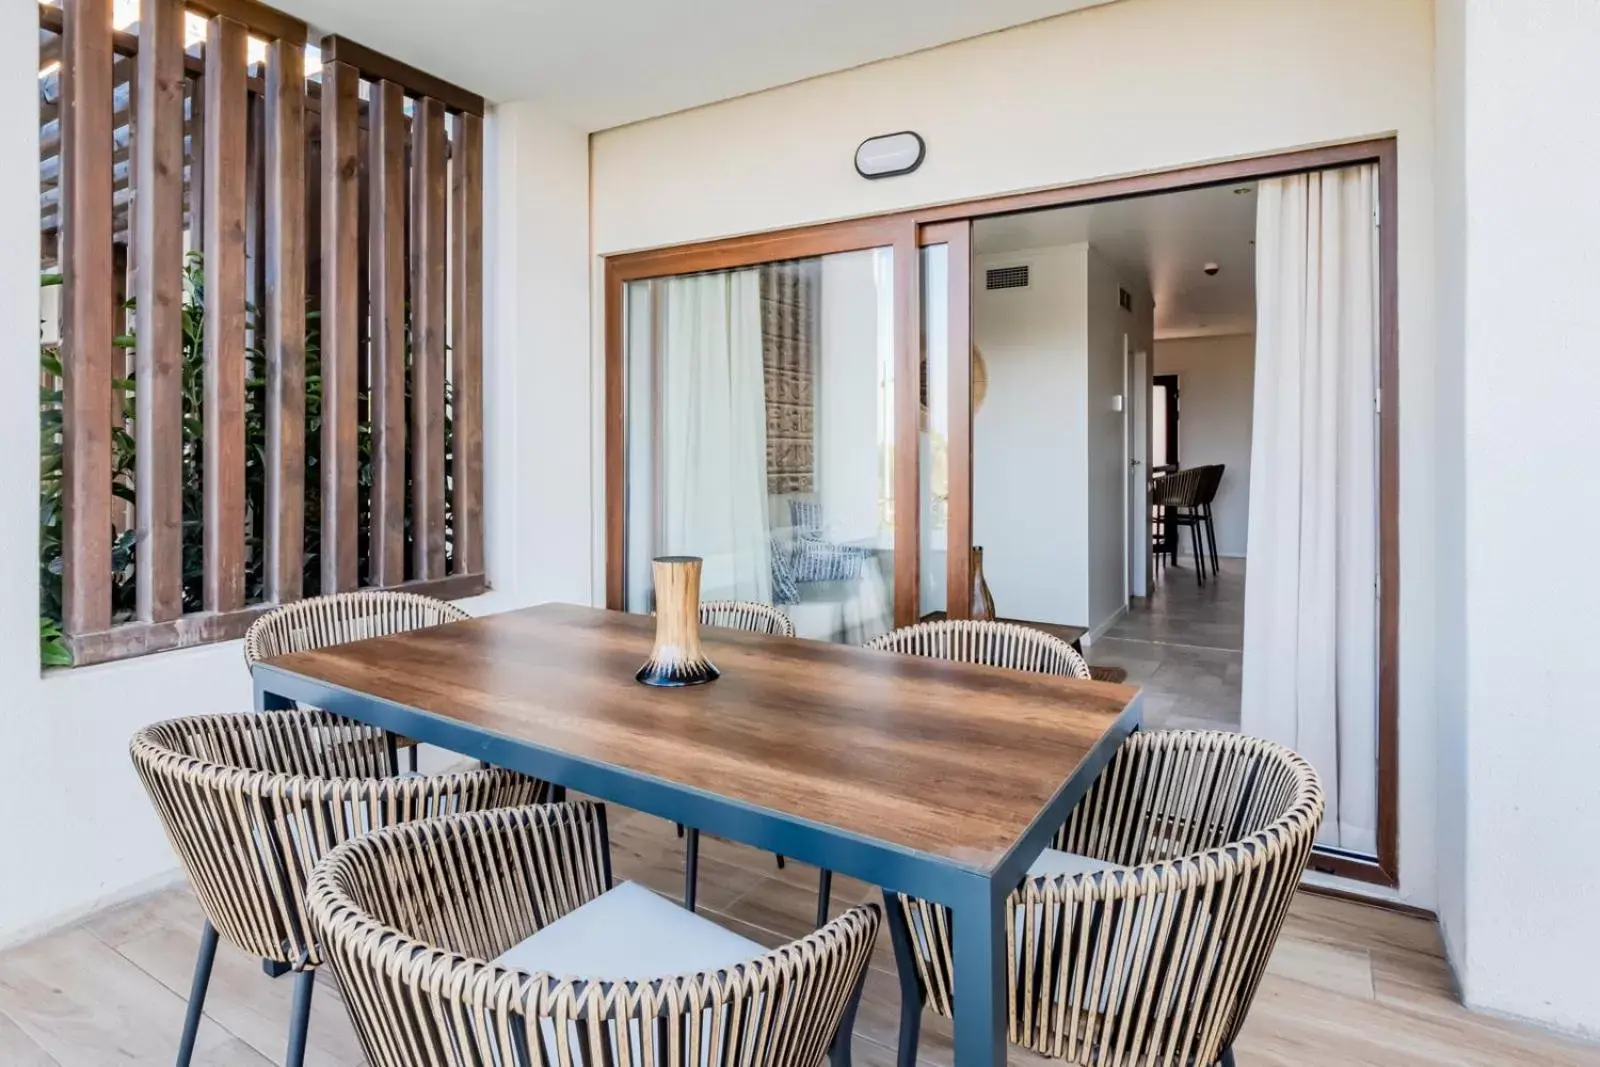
(906, 231)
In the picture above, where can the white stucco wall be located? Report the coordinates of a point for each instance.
(1523, 922)
(74, 822)
(1053, 103)
(1029, 479)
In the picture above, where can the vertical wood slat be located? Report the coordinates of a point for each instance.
(157, 234)
(224, 197)
(86, 326)
(428, 297)
(466, 350)
(386, 122)
(284, 542)
(197, 158)
(340, 331)
(907, 423)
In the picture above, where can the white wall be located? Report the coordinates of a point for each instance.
(1028, 108)
(1216, 387)
(74, 816)
(1110, 332)
(1029, 479)
(1524, 924)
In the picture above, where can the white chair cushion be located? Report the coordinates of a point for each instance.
(1053, 862)
(629, 933)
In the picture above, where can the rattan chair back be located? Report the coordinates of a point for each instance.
(994, 644)
(412, 915)
(1156, 962)
(746, 615)
(320, 621)
(251, 802)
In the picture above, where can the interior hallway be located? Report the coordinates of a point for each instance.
(1184, 645)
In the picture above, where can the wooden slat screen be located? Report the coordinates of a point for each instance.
(302, 267)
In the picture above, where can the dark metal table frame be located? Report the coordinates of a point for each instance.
(975, 896)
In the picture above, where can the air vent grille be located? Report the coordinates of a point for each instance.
(1006, 278)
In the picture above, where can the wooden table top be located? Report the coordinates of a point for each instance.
(947, 759)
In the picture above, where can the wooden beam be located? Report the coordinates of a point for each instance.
(907, 421)
(158, 257)
(466, 355)
(259, 19)
(340, 331)
(387, 277)
(379, 67)
(204, 628)
(428, 259)
(86, 322)
(226, 43)
(286, 321)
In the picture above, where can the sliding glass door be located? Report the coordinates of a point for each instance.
(760, 435)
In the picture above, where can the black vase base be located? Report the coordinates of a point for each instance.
(675, 674)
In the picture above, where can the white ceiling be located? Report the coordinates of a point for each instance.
(602, 63)
(1167, 239)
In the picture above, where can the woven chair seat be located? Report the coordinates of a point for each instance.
(1202, 838)
(413, 918)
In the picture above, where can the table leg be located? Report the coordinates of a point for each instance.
(978, 923)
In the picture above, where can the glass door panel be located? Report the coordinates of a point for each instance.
(760, 436)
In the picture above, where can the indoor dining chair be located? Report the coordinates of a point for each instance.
(497, 938)
(1142, 934)
(251, 802)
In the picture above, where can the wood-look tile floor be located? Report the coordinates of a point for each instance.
(1348, 985)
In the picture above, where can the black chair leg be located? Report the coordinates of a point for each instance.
(1199, 552)
(824, 893)
(1227, 1057)
(779, 858)
(197, 992)
(691, 867)
(839, 1052)
(1211, 534)
(411, 758)
(910, 989)
(300, 1018)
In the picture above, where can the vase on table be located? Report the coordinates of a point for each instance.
(982, 600)
(676, 659)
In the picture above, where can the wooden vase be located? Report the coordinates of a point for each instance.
(982, 599)
(676, 658)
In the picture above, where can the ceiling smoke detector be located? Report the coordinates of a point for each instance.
(1211, 270)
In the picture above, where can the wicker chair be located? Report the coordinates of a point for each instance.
(1179, 500)
(1142, 936)
(746, 615)
(339, 618)
(994, 644)
(251, 802)
(426, 925)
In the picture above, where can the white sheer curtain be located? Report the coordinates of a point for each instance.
(713, 438)
(1311, 610)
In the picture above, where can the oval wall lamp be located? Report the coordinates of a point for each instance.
(890, 154)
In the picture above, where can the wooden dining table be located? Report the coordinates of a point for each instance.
(937, 779)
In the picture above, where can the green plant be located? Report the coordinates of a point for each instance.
(123, 577)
